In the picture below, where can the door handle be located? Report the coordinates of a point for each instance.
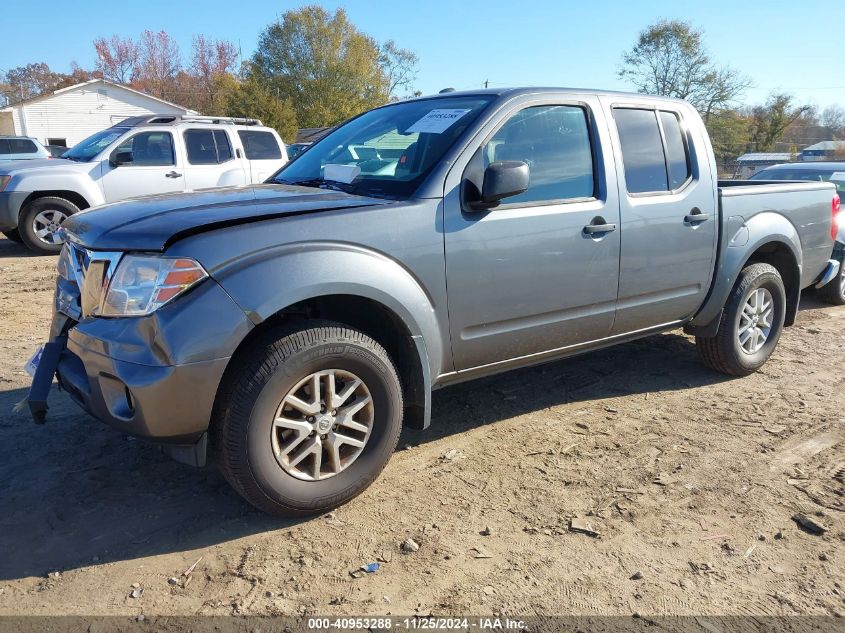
(695, 216)
(173, 174)
(593, 229)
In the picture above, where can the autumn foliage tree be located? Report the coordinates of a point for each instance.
(117, 58)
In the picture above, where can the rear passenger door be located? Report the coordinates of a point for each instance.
(210, 160)
(263, 153)
(525, 277)
(668, 210)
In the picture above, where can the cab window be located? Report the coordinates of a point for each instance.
(149, 149)
(554, 141)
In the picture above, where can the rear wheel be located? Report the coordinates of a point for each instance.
(833, 292)
(308, 419)
(40, 221)
(751, 323)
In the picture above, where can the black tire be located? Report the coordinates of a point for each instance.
(13, 235)
(723, 352)
(833, 292)
(26, 223)
(253, 390)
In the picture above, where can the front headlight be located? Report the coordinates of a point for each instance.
(143, 283)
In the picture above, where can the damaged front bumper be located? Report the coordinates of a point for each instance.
(153, 377)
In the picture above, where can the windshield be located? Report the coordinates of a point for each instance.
(93, 145)
(837, 177)
(387, 151)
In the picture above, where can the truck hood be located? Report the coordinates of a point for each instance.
(153, 223)
(38, 165)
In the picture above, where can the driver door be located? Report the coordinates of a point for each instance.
(154, 167)
(525, 278)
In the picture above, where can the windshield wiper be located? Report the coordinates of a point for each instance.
(320, 183)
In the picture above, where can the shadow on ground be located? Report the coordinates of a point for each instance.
(76, 493)
(9, 248)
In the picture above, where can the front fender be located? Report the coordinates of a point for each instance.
(736, 248)
(270, 280)
(83, 182)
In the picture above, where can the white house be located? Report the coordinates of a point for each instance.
(67, 116)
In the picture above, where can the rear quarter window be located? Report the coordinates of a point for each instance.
(4, 146)
(260, 145)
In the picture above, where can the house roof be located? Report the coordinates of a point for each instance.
(765, 157)
(105, 82)
(825, 146)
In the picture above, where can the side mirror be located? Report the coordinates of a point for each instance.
(123, 157)
(502, 179)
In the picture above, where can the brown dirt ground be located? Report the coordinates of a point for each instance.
(520, 454)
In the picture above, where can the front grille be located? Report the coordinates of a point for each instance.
(92, 271)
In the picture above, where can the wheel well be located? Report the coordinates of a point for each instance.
(780, 256)
(376, 321)
(71, 196)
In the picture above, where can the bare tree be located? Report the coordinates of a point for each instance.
(833, 117)
(399, 65)
(210, 60)
(159, 63)
(670, 59)
(117, 58)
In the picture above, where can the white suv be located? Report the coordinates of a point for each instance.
(137, 157)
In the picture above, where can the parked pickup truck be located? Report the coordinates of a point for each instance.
(137, 157)
(286, 330)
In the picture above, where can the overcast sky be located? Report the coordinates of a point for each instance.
(792, 46)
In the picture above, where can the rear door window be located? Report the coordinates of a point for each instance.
(642, 150)
(4, 146)
(207, 147)
(260, 145)
(22, 146)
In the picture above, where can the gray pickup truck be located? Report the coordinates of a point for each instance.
(286, 330)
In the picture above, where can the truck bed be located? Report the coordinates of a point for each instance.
(805, 205)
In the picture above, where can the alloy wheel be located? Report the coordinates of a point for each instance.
(755, 321)
(322, 424)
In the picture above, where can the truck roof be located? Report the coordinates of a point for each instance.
(177, 119)
(530, 90)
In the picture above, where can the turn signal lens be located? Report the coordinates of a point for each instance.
(144, 283)
(4, 180)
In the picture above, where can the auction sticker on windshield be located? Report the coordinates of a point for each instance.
(436, 121)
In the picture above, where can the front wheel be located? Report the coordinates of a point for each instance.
(751, 323)
(40, 221)
(308, 419)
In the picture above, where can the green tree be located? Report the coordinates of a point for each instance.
(327, 68)
(250, 99)
(769, 121)
(670, 59)
(730, 134)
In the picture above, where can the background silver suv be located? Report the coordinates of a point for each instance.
(21, 148)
